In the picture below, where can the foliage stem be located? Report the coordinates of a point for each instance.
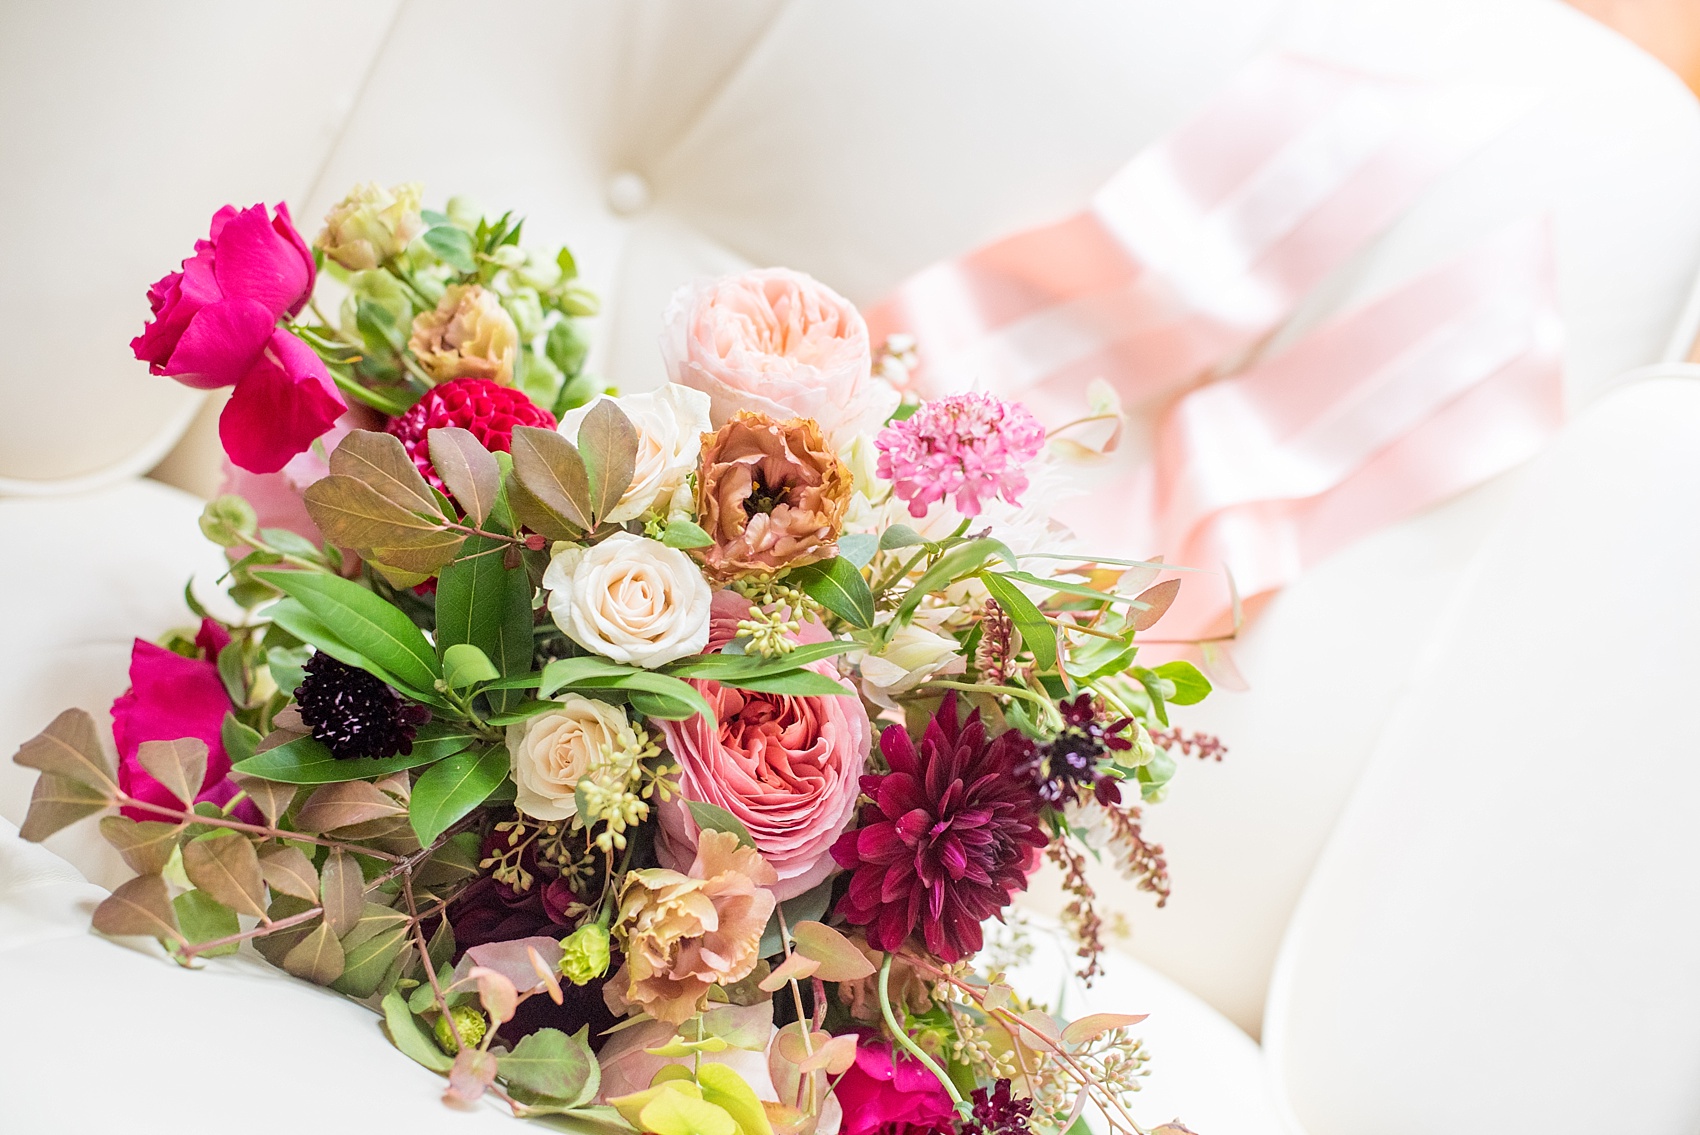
(902, 1037)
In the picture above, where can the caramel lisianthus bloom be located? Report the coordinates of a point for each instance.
(683, 933)
(467, 335)
(771, 495)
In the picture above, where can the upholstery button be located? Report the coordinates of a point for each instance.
(628, 193)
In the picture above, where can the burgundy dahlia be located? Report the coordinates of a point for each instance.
(949, 836)
(486, 409)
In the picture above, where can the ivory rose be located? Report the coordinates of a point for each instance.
(770, 495)
(468, 334)
(777, 342)
(549, 753)
(787, 767)
(682, 932)
(629, 598)
(670, 423)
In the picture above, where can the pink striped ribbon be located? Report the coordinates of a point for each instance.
(1202, 247)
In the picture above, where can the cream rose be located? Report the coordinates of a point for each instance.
(670, 423)
(779, 343)
(631, 599)
(549, 753)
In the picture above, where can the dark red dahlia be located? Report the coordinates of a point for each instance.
(489, 410)
(998, 1113)
(949, 836)
(1068, 762)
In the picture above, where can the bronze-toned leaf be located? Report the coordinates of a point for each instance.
(146, 845)
(287, 871)
(225, 867)
(537, 516)
(334, 806)
(70, 748)
(57, 802)
(839, 958)
(551, 470)
(1157, 600)
(353, 514)
(395, 577)
(1096, 1024)
(467, 468)
(317, 957)
(607, 445)
(180, 765)
(426, 559)
(270, 797)
(381, 461)
(342, 892)
(367, 961)
(275, 945)
(142, 907)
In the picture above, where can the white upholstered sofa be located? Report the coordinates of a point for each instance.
(1444, 881)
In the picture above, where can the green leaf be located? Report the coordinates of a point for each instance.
(306, 761)
(685, 701)
(365, 622)
(452, 245)
(900, 536)
(1154, 684)
(964, 559)
(550, 1065)
(685, 534)
(239, 740)
(1191, 686)
(465, 665)
(1036, 634)
(858, 548)
(715, 819)
(809, 906)
(720, 666)
(407, 1035)
(453, 788)
(837, 585)
(796, 683)
(483, 604)
(564, 672)
(203, 918)
(1070, 588)
(377, 326)
(607, 444)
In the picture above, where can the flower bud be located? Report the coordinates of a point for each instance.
(469, 1023)
(584, 955)
(371, 225)
(509, 256)
(540, 272)
(527, 311)
(228, 520)
(464, 212)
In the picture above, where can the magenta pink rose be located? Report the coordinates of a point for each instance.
(881, 1096)
(779, 343)
(171, 696)
(787, 767)
(216, 324)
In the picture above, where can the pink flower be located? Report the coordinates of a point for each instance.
(787, 767)
(779, 343)
(972, 445)
(171, 696)
(215, 324)
(883, 1096)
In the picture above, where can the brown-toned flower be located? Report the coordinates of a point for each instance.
(682, 933)
(467, 335)
(771, 495)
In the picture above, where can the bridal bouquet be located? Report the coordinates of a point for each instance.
(650, 762)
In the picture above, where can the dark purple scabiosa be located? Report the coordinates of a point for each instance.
(1068, 762)
(354, 714)
(996, 1112)
(950, 834)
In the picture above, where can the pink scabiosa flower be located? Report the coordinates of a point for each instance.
(949, 836)
(972, 446)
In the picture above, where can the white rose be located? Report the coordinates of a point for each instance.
(631, 599)
(549, 753)
(913, 655)
(670, 423)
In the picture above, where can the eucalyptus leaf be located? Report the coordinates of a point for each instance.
(408, 1035)
(1190, 686)
(900, 536)
(549, 1064)
(858, 548)
(203, 918)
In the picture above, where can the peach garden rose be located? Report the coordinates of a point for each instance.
(780, 343)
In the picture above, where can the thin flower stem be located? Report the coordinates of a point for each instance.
(1044, 704)
(1188, 641)
(425, 959)
(126, 801)
(903, 1038)
(1068, 626)
(260, 931)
